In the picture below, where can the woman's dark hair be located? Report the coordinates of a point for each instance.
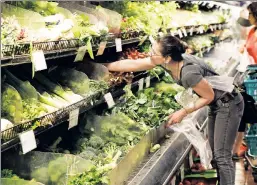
(253, 8)
(173, 47)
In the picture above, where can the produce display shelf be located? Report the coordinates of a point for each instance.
(20, 53)
(10, 137)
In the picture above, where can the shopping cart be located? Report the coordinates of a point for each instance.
(251, 136)
(251, 154)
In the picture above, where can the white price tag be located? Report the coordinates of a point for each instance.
(219, 26)
(201, 30)
(172, 33)
(182, 171)
(109, 99)
(101, 48)
(142, 40)
(180, 33)
(118, 44)
(141, 84)
(28, 141)
(208, 49)
(81, 53)
(191, 31)
(215, 27)
(173, 181)
(191, 160)
(211, 27)
(39, 61)
(73, 118)
(147, 81)
(151, 39)
(184, 32)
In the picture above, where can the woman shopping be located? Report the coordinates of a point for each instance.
(225, 108)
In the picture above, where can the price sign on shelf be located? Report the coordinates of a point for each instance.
(180, 33)
(191, 31)
(151, 39)
(211, 27)
(141, 84)
(142, 40)
(73, 118)
(208, 49)
(184, 32)
(118, 44)
(172, 33)
(101, 48)
(215, 27)
(220, 26)
(81, 53)
(109, 99)
(39, 61)
(147, 81)
(201, 30)
(28, 141)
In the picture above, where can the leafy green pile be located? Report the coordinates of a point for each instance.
(11, 107)
(10, 30)
(43, 7)
(113, 136)
(151, 106)
(31, 107)
(144, 16)
(202, 41)
(9, 178)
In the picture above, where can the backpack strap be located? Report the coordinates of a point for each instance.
(191, 63)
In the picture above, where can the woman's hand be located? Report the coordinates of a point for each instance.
(176, 117)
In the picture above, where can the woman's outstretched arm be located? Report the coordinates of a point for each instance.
(129, 65)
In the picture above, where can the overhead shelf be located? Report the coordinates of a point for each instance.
(20, 54)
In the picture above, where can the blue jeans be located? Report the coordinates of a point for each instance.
(223, 123)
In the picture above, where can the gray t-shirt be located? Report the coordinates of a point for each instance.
(193, 74)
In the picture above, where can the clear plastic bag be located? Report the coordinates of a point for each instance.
(197, 139)
(186, 98)
(223, 83)
(244, 61)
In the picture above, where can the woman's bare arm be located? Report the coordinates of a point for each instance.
(134, 65)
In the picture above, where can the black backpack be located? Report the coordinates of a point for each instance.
(250, 110)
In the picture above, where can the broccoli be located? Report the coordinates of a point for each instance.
(81, 144)
(89, 153)
(95, 141)
(41, 175)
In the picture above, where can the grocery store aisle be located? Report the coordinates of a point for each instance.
(243, 177)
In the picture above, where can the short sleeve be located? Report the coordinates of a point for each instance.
(191, 76)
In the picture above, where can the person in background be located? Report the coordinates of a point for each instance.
(225, 109)
(251, 41)
(251, 47)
